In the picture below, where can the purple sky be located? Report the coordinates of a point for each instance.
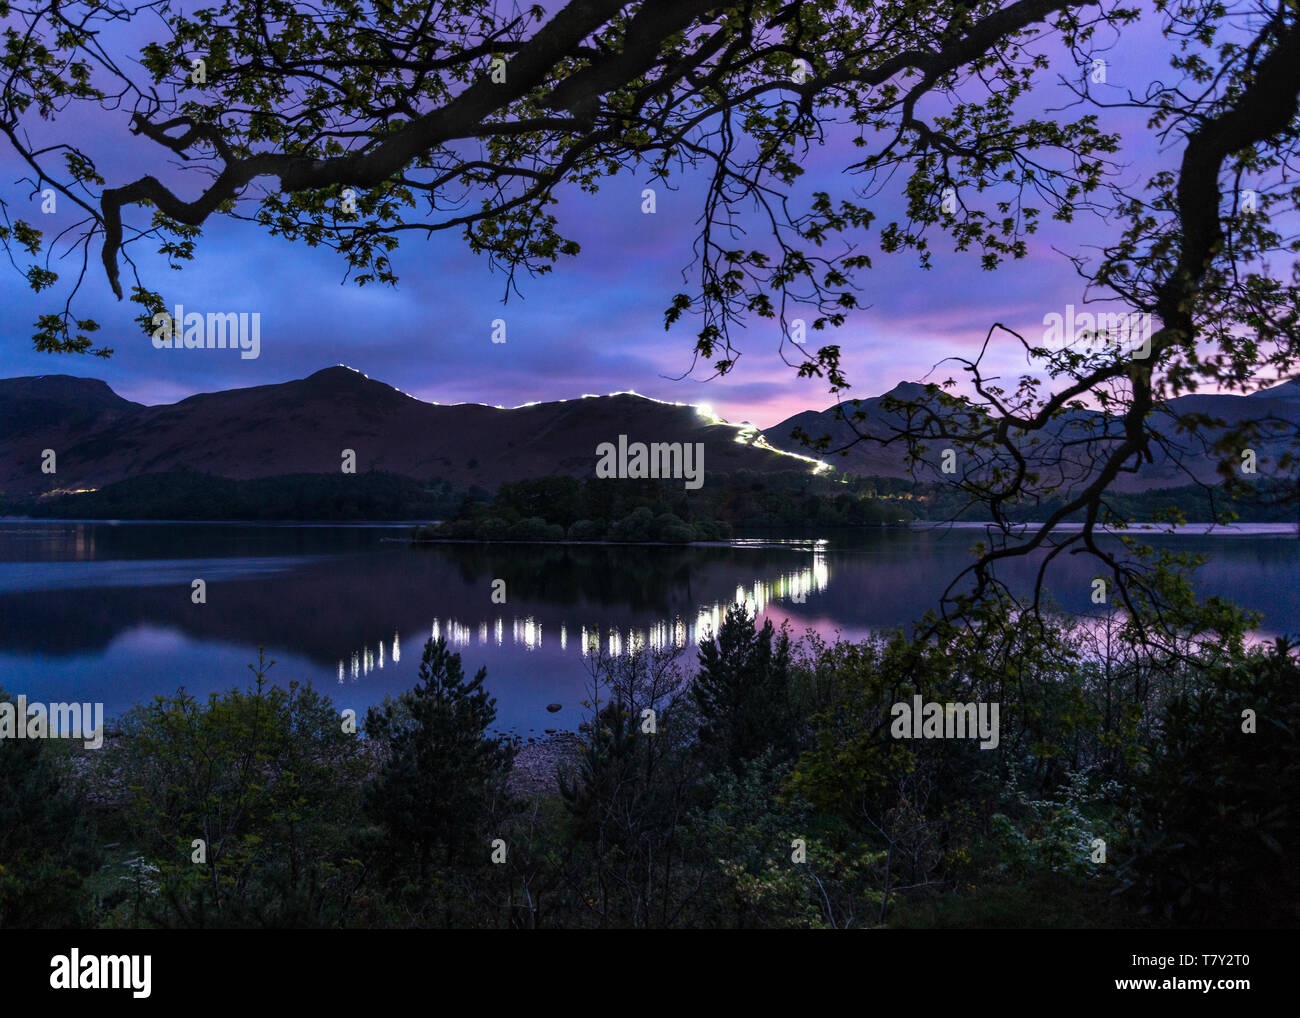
(593, 325)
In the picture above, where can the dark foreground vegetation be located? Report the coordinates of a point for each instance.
(763, 790)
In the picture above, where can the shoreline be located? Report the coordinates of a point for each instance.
(1194, 528)
(1168, 529)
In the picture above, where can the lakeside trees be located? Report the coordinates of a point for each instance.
(588, 512)
(683, 807)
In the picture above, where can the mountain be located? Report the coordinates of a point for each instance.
(54, 404)
(303, 426)
(1288, 390)
(1187, 454)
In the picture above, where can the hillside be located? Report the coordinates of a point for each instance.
(302, 427)
(1186, 460)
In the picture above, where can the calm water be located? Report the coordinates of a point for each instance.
(102, 611)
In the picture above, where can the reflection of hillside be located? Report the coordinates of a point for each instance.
(328, 606)
(587, 636)
(596, 573)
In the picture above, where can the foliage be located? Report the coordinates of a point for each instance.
(268, 781)
(763, 790)
(189, 495)
(742, 692)
(1218, 818)
(645, 511)
(768, 869)
(47, 845)
(441, 773)
(1058, 833)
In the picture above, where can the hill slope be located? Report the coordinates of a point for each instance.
(303, 426)
(1191, 459)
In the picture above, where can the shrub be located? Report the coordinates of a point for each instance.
(672, 528)
(587, 530)
(636, 526)
(1220, 819)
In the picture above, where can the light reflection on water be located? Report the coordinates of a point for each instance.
(103, 612)
(528, 633)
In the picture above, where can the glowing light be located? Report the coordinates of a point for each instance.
(746, 433)
(755, 598)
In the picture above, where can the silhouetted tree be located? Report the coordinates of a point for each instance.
(442, 772)
(742, 691)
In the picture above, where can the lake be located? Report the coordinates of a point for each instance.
(102, 611)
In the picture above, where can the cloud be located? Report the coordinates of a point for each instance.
(593, 324)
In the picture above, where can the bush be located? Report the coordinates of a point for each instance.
(1220, 819)
(636, 526)
(534, 528)
(712, 530)
(268, 779)
(493, 529)
(45, 845)
(1056, 833)
(672, 528)
(587, 530)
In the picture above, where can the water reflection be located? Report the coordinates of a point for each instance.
(364, 661)
(103, 612)
(528, 633)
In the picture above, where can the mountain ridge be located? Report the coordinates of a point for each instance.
(304, 425)
(839, 421)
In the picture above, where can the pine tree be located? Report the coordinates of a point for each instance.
(442, 772)
(743, 692)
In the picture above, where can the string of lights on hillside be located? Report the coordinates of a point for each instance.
(679, 632)
(746, 433)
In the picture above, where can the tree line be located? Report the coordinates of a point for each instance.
(761, 788)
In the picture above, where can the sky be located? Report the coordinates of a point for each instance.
(593, 325)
